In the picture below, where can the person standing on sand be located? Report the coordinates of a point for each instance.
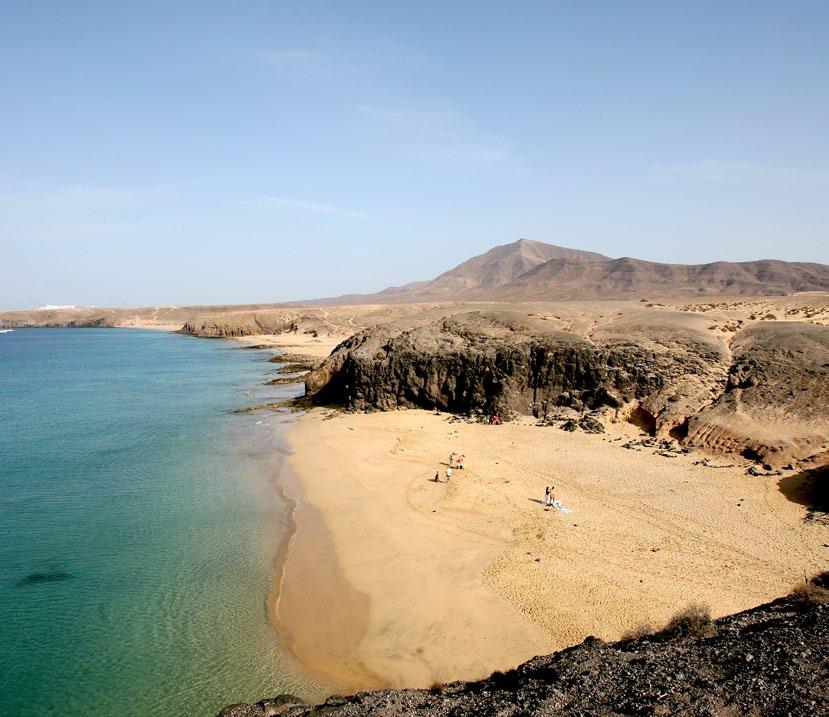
(451, 459)
(448, 472)
(547, 496)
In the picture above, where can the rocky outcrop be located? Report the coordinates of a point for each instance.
(765, 395)
(768, 661)
(508, 362)
(775, 403)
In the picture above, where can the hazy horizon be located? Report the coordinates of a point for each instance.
(207, 153)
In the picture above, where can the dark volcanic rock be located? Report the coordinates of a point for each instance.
(764, 395)
(768, 661)
(266, 708)
(504, 362)
(591, 425)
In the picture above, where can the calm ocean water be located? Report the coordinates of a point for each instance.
(138, 525)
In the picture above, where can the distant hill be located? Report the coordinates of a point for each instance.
(500, 267)
(532, 270)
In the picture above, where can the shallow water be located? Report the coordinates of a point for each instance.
(138, 525)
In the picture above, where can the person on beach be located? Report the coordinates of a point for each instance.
(547, 496)
(448, 472)
(459, 462)
(451, 459)
(437, 476)
(555, 503)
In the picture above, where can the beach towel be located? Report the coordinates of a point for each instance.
(560, 508)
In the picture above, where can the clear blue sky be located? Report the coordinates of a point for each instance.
(204, 151)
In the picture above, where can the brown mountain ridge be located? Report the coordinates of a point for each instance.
(528, 270)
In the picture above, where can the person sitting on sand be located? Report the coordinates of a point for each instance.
(437, 476)
(557, 504)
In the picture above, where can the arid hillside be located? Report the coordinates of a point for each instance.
(527, 270)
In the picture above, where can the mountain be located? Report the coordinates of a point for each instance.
(498, 267)
(502, 266)
(633, 278)
(527, 270)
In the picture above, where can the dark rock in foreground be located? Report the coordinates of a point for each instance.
(767, 661)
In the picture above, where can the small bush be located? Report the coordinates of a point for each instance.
(813, 592)
(821, 579)
(505, 680)
(693, 621)
(640, 631)
(436, 688)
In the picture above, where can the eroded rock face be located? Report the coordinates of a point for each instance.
(765, 396)
(504, 362)
(775, 404)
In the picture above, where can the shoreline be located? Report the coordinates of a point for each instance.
(307, 562)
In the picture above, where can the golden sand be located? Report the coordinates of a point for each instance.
(394, 579)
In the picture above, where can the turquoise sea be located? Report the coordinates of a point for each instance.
(138, 525)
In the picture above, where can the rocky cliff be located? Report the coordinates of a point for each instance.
(761, 392)
(768, 661)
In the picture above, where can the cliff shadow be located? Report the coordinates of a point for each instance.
(810, 489)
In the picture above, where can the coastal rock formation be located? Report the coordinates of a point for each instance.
(774, 407)
(502, 361)
(762, 392)
(769, 660)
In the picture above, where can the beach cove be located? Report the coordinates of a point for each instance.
(392, 579)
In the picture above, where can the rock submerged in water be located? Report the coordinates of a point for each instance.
(265, 708)
(37, 578)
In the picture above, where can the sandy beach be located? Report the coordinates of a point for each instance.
(393, 579)
(300, 345)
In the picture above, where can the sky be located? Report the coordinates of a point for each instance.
(166, 153)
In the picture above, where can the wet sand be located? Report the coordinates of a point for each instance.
(325, 633)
